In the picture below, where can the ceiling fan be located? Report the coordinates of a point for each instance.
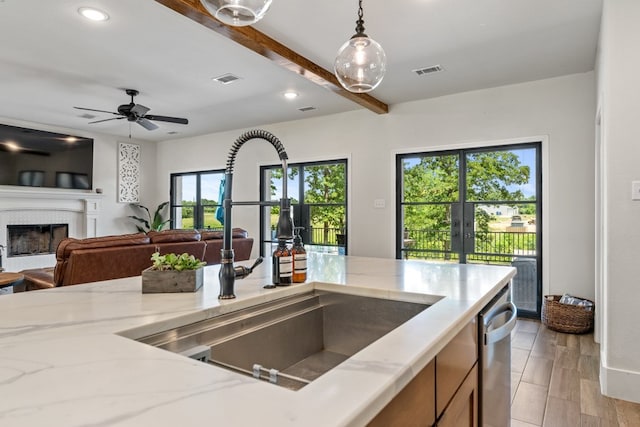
(136, 113)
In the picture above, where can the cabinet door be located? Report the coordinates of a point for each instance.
(463, 409)
(454, 362)
(414, 406)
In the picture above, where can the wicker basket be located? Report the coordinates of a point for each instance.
(572, 319)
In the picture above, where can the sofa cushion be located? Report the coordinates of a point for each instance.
(68, 245)
(169, 236)
(236, 233)
(241, 248)
(93, 265)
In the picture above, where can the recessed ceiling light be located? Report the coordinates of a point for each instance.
(291, 94)
(93, 14)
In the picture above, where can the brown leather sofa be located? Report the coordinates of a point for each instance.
(114, 257)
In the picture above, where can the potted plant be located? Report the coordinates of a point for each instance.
(173, 273)
(155, 223)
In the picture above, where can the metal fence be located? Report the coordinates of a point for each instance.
(326, 236)
(489, 245)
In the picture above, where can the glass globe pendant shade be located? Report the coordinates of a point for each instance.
(360, 64)
(238, 13)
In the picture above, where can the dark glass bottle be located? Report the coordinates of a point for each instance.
(282, 264)
(299, 259)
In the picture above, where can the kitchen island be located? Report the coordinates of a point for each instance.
(68, 356)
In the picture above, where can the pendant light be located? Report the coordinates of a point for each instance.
(238, 13)
(361, 61)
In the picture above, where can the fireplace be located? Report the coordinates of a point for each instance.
(34, 239)
(79, 209)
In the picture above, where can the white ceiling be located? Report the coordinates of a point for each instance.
(52, 59)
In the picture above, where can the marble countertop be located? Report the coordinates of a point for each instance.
(67, 357)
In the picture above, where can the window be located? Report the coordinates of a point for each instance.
(195, 199)
(318, 192)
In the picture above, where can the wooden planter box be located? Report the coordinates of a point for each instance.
(156, 281)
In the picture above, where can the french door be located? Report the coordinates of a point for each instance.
(480, 205)
(318, 192)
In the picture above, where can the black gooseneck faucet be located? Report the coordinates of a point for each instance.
(284, 230)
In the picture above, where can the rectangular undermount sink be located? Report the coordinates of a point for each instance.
(290, 341)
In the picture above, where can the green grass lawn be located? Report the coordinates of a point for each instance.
(209, 221)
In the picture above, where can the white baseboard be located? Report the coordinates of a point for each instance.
(620, 384)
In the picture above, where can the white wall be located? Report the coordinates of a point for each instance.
(113, 217)
(618, 94)
(561, 108)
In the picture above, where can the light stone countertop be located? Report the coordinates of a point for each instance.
(66, 357)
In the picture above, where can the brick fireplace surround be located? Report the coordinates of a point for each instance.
(18, 206)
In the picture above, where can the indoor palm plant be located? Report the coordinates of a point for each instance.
(149, 223)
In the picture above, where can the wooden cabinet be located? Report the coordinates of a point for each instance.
(454, 362)
(446, 390)
(463, 408)
(414, 405)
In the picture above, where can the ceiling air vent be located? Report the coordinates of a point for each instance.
(305, 109)
(428, 70)
(225, 79)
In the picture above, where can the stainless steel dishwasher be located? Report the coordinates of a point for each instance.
(496, 321)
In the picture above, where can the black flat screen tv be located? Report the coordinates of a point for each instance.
(36, 158)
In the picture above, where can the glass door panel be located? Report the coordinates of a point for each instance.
(209, 195)
(428, 232)
(475, 206)
(318, 193)
(194, 199)
(184, 201)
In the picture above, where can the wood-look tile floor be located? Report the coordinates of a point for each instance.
(555, 383)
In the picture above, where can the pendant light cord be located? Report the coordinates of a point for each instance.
(360, 21)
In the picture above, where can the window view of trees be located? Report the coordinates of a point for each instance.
(501, 186)
(318, 193)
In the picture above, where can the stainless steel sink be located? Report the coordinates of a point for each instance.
(290, 341)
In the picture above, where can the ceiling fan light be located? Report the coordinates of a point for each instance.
(237, 13)
(360, 64)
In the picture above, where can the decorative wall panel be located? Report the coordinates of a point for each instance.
(128, 173)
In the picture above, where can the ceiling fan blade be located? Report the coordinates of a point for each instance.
(167, 119)
(99, 111)
(106, 120)
(146, 124)
(139, 110)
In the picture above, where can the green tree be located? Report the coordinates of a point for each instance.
(434, 179)
(325, 184)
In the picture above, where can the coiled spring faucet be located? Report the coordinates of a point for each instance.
(284, 230)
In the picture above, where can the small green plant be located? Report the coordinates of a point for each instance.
(147, 224)
(175, 262)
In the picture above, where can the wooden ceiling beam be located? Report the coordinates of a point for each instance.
(271, 49)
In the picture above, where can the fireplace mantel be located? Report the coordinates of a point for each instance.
(46, 193)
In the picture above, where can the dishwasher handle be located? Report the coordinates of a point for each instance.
(504, 330)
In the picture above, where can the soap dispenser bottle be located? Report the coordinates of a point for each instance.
(299, 258)
(282, 270)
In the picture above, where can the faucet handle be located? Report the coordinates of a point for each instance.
(241, 271)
